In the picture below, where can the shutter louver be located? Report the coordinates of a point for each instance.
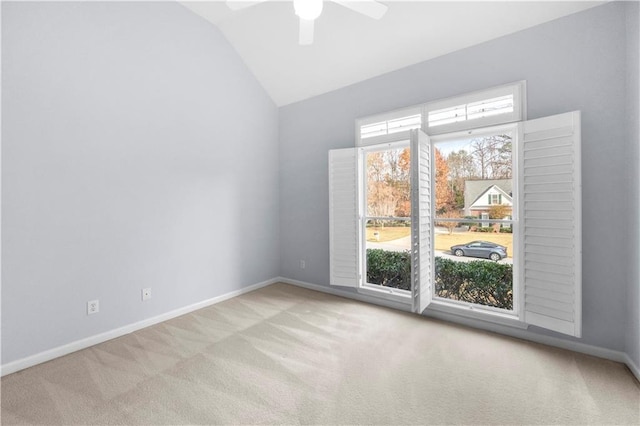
(343, 217)
(421, 227)
(551, 243)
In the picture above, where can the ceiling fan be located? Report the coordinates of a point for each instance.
(309, 10)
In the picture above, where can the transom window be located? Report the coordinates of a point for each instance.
(471, 111)
(392, 126)
(389, 126)
(498, 105)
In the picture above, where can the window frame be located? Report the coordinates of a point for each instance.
(463, 308)
(467, 128)
(396, 295)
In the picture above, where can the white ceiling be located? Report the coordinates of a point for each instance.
(350, 47)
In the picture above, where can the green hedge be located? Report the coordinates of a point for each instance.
(482, 282)
(489, 229)
(478, 281)
(389, 268)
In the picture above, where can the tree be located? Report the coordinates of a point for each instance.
(444, 194)
(461, 168)
(492, 156)
(499, 211)
(403, 188)
(388, 188)
(452, 214)
(380, 197)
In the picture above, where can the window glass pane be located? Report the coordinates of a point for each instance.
(388, 186)
(391, 126)
(388, 260)
(447, 115)
(480, 273)
(473, 240)
(374, 129)
(405, 123)
(490, 107)
(471, 111)
(387, 225)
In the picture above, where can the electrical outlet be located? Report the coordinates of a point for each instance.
(303, 264)
(146, 294)
(93, 307)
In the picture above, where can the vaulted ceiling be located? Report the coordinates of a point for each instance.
(350, 47)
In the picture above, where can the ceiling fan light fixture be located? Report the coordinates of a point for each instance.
(308, 9)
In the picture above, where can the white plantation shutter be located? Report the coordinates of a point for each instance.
(343, 217)
(550, 191)
(421, 256)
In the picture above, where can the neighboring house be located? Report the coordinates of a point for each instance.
(480, 195)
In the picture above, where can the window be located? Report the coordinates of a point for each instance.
(471, 111)
(498, 105)
(495, 199)
(388, 127)
(386, 224)
(543, 216)
(503, 104)
(471, 173)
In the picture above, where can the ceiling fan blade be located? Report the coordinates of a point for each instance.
(242, 4)
(306, 31)
(370, 8)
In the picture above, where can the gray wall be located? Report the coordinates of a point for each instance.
(138, 151)
(633, 114)
(574, 63)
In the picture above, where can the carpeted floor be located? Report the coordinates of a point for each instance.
(286, 355)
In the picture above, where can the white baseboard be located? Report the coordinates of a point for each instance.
(518, 333)
(50, 354)
(635, 369)
(341, 293)
(524, 334)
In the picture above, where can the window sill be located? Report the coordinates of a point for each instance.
(475, 313)
(386, 293)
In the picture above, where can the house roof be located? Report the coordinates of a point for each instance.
(349, 47)
(474, 189)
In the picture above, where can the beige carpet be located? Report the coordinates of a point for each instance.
(285, 355)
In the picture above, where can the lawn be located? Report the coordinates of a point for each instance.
(388, 233)
(443, 242)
